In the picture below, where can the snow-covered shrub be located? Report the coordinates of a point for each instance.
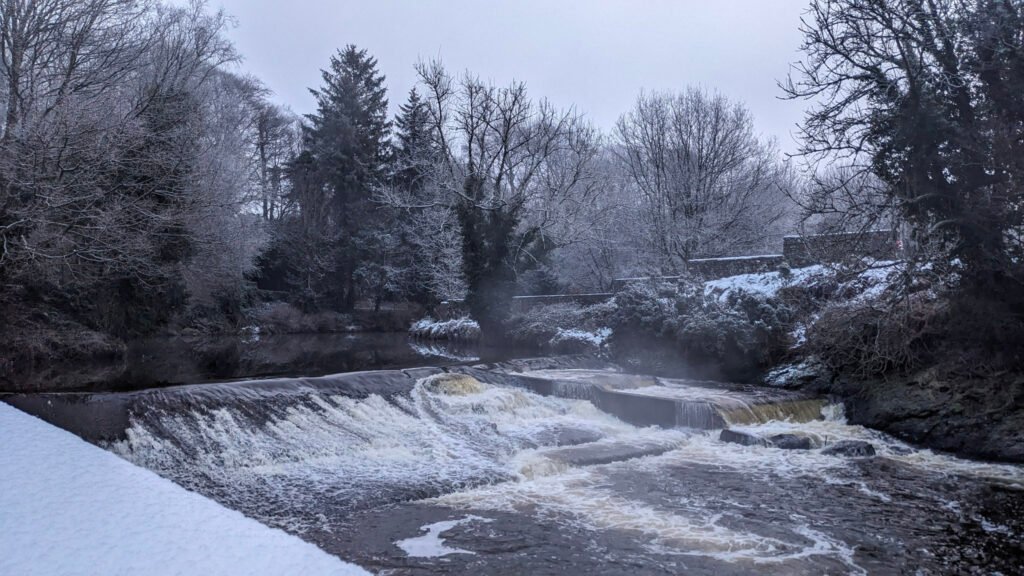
(892, 317)
(283, 318)
(464, 329)
(564, 327)
(682, 326)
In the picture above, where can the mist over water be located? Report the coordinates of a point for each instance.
(316, 464)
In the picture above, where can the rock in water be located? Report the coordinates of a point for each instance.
(790, 442)
(741, 438)
(854, 448)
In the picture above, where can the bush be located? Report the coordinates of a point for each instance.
(565, 327)
(462, 329)
(675, 327)
(907, 331)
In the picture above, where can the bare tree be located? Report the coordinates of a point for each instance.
(277, 140)
(125, 157)
(506, 167)
(708, 185)
(925, 96)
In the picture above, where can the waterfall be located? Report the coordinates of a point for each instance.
(297, 458)
(792, 410)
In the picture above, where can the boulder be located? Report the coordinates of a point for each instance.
(852, 448)
(743, 438)
(809, 374)
(790, 442)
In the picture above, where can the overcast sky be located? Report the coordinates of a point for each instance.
(594, 54)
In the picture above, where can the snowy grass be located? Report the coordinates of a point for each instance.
(456, 329)
(766, 284)
(595, 339)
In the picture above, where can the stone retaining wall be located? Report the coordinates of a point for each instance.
(714, 268)
(800, 251)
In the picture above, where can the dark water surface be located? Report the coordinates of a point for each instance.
(522, 469)
(158, 362)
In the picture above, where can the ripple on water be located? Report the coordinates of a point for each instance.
(308, 464)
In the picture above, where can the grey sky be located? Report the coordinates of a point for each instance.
(597, 54)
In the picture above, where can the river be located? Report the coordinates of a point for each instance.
(165, 361)
(534, 468)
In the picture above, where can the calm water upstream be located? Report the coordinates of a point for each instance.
(168, 361)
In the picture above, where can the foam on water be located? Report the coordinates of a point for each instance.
(455, 442)
(691, 526)
(431, 545)
(687, 529)
(319, 453)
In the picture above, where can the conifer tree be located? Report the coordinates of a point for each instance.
(348, 137)
(413, 146)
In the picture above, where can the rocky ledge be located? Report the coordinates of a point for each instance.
(971, 416)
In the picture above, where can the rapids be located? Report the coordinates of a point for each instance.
(568, 471)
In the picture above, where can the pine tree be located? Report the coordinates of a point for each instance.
(414, 148)
(415, 154)
(348, 137)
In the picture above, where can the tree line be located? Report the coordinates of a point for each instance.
(144, 178)
(480, 192)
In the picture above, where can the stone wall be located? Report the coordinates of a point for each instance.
(714, 268)
(802, 251)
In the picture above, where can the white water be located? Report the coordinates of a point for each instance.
(699, 526)
(345, 452)
(479, 448)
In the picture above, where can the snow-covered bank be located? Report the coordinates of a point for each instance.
(464, 329)
(68, 507)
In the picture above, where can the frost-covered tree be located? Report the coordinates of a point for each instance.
(276, 140)
(126, 163)
(348, 141)
(498, 153)
(926, 96)
(707, 184)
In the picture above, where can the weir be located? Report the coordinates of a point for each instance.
(636, 399)
(564, 449)
(674, 403)
(104, 417)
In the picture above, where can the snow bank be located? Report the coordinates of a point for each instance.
(68, 507)
(596, 338)
(866, 285)
(762, 284)
(458, 329)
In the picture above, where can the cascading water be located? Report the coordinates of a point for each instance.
(520, 482)
(314, 453)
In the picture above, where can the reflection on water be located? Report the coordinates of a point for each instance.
(167, 361)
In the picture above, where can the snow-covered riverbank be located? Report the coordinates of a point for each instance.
(68, 507)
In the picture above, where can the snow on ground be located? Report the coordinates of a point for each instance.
(456, 329)
(69, 508)
(763, 283)
(867, 284)
(596, 338)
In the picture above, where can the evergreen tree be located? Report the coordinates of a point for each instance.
(348, 137)
(415, 155)
(414, 149)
